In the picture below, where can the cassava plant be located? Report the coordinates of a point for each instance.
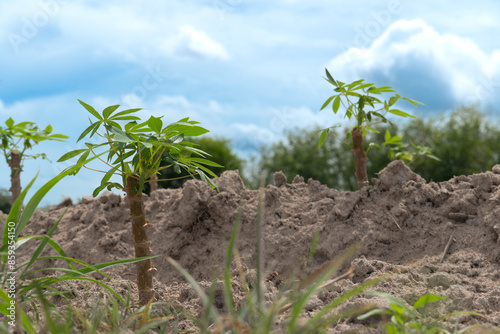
(134, 152)
(355, 98)
(16, 140)
(411, 320)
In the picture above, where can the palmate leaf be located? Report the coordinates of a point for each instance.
(176, 139)
(93, 126)
(206, 162)
(155, 123)
(415, 103)
(125, 112)
(91, 110)
(189, 130)
(400, 113)
(114, 124)
(109, 110)
(9, 122)
(71, 154)
(206, 170)
(205, 178)
(97, 190)
(57, 137)
(327, 102)
(330, 78)
(426, 299)
(126, 118)
(336, 104)
(322, 137)
(119, 135)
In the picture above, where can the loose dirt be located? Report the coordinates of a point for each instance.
(401, 223)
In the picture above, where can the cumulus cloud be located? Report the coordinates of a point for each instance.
(192, 43)
(440, 70)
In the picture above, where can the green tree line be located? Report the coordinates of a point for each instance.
(466, 141)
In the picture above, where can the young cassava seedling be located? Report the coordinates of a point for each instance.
(409, 320)
(363, 92)
(135, 152)
(16, 140)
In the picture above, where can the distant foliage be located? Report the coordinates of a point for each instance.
(332, 164)
(465, 141)
(5, 204)
(222, 154)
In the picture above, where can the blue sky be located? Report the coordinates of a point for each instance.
(246, 70)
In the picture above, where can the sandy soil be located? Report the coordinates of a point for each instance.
(400, 222)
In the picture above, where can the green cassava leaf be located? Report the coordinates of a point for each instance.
(126, 118)
(91, 127)
(109, 110)
(361, 102)
(99, 189)
(9, 122)
(336, 104)
(187, 129)
(330, 78)
(71, 154)
(155, 123)
(125, 112)
(372, 129)
(114, 124)
(177, 169)
(426, 299)
(327, 102)
(206, 162)
(176, 139)
(91, 110)
(400, 113)
(393, 100)
(119, 135)
(322, 137)
(83, 157)
(58, 137)
(415, 103)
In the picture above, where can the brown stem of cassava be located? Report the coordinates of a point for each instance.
(145, 269)
(15, 175)
(154, 183)
(359, 157)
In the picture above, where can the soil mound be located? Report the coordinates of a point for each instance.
(401, 222)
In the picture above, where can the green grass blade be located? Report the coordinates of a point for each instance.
(316, 321)
(40, 194)
(228, 294)
(204, 298)
(44, 242)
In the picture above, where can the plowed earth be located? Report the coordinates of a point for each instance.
(401, 224)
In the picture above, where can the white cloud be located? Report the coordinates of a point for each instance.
(192, 43)
(456, 65)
